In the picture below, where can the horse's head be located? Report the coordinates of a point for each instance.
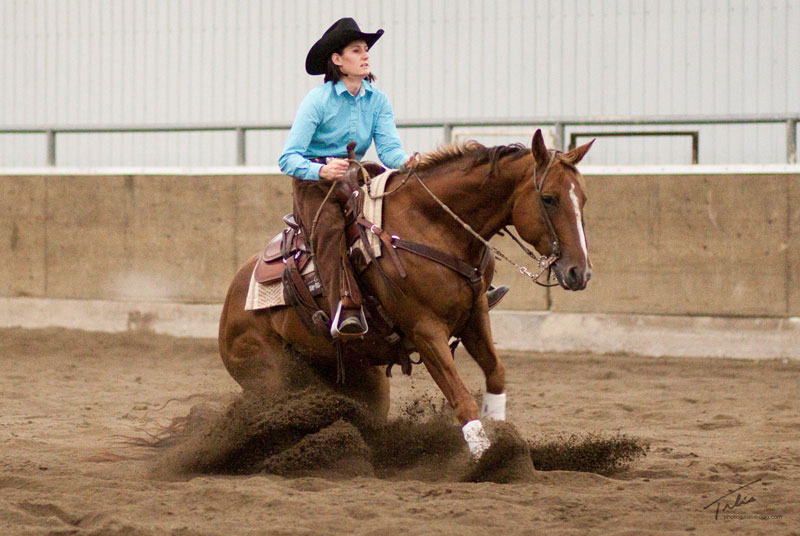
(548, 211)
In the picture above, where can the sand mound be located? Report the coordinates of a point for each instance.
(314, 432)
(590, 453)
(507, 460)
(243, 438)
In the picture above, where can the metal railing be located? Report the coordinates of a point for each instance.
(559, 125)
(694, 134)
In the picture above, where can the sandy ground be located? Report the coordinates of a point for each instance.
(713, 425)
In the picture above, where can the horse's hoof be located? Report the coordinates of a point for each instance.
(477, 440)
(508, 460)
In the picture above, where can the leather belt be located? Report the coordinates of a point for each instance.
(324, 159)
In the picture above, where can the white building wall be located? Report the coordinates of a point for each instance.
(89, 62)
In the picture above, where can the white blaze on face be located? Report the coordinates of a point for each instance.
(578, 221)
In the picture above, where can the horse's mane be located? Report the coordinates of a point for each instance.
(477, 153)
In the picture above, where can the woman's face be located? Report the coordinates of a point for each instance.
(354, 59)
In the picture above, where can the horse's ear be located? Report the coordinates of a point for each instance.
(539, 149)
(577, 154)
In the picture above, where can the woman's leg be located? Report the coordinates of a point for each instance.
(328, 246)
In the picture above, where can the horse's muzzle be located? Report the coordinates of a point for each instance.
(572, 277)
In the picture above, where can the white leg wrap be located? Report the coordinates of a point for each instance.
(476, 437)
(494, 406)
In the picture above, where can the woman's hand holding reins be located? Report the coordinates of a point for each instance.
(334, 169)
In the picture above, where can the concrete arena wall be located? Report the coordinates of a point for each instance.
(713, 245)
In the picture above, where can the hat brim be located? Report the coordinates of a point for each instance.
(317, 59)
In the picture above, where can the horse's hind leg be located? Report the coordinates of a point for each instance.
(256, 361)
(251, 349)
(477, 339)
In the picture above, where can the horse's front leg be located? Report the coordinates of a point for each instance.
(431, 342)
(477, 339)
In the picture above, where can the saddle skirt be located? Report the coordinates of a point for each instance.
(266, 284)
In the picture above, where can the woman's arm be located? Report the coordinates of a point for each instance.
(387, 139)
(293, 162)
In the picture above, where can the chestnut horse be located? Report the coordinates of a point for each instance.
(538, 191)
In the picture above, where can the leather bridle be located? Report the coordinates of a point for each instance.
(545, 263)
(539, 185)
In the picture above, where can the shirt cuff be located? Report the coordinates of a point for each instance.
(398, 160)
(313, 171)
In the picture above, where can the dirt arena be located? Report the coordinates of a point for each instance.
(72, 399)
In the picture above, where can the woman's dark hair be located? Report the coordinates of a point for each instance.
(334, 74)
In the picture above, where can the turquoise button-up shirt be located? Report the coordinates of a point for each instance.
(329, 118)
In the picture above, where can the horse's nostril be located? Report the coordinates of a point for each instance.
(573, 274)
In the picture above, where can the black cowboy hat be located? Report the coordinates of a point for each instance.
(343, 32)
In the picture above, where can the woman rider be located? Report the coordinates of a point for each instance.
(347, 107)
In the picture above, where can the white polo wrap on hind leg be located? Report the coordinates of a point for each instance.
(476, 437)
(494, 406)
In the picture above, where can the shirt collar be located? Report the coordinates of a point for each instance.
(341, 88)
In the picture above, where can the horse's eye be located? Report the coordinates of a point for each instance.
(550, 200)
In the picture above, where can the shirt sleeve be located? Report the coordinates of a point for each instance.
(387, 139)
(293, 161)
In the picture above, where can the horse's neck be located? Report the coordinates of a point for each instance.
(483, 203)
